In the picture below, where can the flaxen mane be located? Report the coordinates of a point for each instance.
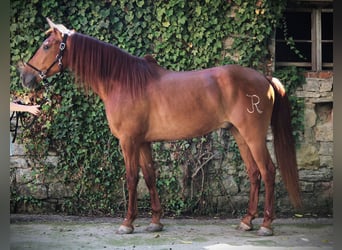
(95, 62)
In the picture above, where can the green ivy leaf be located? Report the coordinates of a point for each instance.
(166, 24)
(140, 3)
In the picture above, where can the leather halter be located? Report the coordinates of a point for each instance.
(43, 74)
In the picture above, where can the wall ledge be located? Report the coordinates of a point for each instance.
(319, 74)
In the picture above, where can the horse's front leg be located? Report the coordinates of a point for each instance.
(131, 158)
(148, 170)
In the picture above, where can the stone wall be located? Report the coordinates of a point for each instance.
(315, 156)
(229, 193)
(30, 185)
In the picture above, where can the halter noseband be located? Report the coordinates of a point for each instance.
(43, 74)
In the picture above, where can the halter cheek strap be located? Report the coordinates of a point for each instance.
(43, 74)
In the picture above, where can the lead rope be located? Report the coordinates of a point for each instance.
(21, 116)
(17, 114)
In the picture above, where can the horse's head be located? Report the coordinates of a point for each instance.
(48, 60)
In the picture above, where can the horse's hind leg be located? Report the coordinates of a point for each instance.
(267, 170)
(254, 178)
(146, 164)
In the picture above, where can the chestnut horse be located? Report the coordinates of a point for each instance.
(145, 103)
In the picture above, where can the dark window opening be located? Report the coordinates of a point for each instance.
(305, 37)
(327, 39)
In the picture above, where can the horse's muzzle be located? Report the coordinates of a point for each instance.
(28, 80)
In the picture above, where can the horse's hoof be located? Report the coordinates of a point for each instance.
(125, 230)
(153, 227)
(244, 227)
(264, 231)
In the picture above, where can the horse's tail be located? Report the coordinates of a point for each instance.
(284, 144)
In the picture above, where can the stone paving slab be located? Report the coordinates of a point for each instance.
(73, 232)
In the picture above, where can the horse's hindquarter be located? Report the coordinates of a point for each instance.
(252, 108)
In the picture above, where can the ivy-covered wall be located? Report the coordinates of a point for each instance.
(70, 147)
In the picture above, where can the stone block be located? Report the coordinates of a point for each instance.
(326, 86)
(52, 160)
(326, 161)
(312, 85)
(318, 175)
(24, 175)
(59, 190)
(36, 191)
(325, 190)
(319, 74)
(310, 117)
(18, 149)
(230, 185)
(326, 148)
(325, 186)
(307, 186)
(240, 202)
(308, 94)
(324, 132)
(307, 157)
(245, 186)
(224, 204)
(18, 162)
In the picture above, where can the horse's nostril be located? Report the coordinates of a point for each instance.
(27, 80)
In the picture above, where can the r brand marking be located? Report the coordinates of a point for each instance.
(255, 100)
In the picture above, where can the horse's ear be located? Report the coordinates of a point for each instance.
(60, 27)
(58, 33)
(51, 24)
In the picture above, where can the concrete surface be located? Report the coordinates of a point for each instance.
(73, 232)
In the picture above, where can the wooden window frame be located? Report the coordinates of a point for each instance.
(316, 41)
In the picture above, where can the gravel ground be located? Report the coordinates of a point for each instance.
(73, 232)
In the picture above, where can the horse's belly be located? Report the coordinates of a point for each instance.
(185, 129)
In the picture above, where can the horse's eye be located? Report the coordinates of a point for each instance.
(45, 47)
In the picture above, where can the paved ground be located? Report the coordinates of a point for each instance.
(71, 232)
